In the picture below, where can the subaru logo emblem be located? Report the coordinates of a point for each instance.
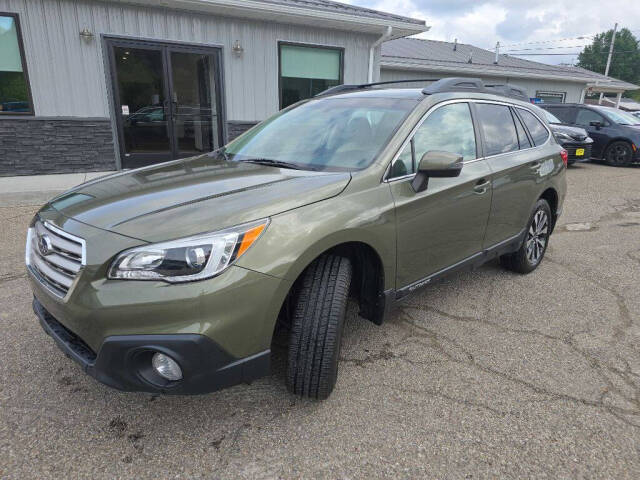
(44, 245)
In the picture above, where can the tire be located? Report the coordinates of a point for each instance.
(530, 254)
(618, 154)
(316, 327)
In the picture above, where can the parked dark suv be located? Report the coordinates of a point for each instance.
(575, 140)
(615, 133)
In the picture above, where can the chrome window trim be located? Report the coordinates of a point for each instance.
(385, 178)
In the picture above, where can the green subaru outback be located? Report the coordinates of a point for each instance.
(172, 278)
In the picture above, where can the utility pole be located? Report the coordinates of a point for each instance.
(606, 71)
(498, 52)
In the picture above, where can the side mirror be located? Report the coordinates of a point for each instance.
(436, 164)
(596, 124)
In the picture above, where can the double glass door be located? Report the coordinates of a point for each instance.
(167, 100)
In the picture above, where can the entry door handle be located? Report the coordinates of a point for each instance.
(481, 186)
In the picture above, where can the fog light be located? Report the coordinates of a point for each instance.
(166, 367)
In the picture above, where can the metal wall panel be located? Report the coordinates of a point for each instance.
(572, 90)
(67, 73)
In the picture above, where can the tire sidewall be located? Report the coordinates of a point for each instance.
(522, 253)
(615, 144)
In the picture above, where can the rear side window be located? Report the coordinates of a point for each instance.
(498, 128)
(522, 135)
(565, 114)
(448, 128)
(537, 130)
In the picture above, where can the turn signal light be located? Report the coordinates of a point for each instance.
(565, 157)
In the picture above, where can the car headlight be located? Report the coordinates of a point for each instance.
(187, 259)
(563, 137)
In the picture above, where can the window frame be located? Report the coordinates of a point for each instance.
(551, 93)
(526, 128)
(416, 127)
(282, 43)
(480, 156)
(23, 59)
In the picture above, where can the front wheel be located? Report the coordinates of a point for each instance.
(532, 250)
(618, 154)
(316, 327)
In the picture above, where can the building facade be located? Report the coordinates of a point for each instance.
(91, 86)
(412, 58)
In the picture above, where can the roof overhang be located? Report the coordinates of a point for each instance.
(256, 10)
(391, 63)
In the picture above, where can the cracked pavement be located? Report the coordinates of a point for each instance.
(487, 374)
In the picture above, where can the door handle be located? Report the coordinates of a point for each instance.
(481, 186)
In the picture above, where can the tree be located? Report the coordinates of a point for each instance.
(625, 63)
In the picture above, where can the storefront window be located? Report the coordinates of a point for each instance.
(306, 71)
(14, 85)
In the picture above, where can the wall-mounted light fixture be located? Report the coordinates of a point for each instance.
(86, 35)
(237, 49)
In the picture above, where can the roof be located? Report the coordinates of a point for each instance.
(338, 7)
(433, 55)
(317, 13)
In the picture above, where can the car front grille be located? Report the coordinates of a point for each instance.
(54, 257)
(571, 150)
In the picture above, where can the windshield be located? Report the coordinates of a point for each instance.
(336, 134)
(551, 118)
(620, 117)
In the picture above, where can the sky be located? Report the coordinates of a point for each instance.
(518, 24)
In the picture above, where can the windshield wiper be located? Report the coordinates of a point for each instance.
(274, 163)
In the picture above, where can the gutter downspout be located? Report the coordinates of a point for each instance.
(372, 50)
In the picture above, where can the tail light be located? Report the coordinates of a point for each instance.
(565, 157)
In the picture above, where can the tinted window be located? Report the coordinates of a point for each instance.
(307, 71)
(567, 115)
(14, 89)
(586, 116)
(498, 128)
(522, 136)
(537, 130)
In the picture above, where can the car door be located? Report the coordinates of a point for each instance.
(600, 135)
(444, 224)
(515, 162)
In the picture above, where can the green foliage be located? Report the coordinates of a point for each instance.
(625, 63)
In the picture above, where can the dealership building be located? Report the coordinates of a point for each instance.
(101, 85)
(91, 85)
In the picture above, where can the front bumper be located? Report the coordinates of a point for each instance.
(124, 361)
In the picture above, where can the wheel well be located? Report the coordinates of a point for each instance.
(367, 283)
(551, 196)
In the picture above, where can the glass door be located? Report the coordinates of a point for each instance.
(194, 103)
(166, 100)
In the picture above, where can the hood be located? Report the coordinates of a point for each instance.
(576, 133)
(186, 197)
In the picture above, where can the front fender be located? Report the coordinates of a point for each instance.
(297, 237)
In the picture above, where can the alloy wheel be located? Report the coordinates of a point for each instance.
(537, 237)
(618, 154)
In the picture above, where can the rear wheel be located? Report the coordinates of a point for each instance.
(532, 250)
(618, 154)
(316, 327)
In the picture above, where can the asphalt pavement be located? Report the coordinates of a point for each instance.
(488, 374)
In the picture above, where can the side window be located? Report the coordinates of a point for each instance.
(404, 163)
(498, 128)
(586, 116)
(522, 135)
(566, 114)
(536, 128)
(449, 129)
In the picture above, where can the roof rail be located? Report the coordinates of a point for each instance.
(508, 91)
(455, 84)
(440, 85)
(347, 87)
